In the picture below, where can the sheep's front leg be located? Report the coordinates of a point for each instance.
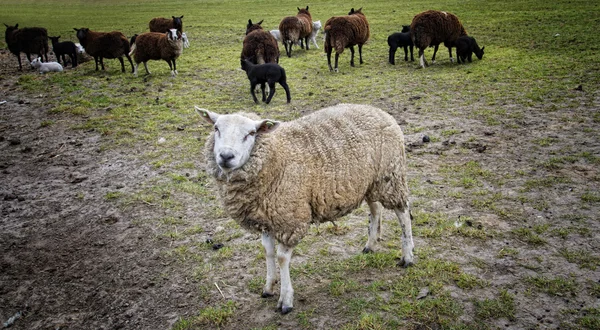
(122, 64)
(351, 56)
(392, 54)
(269, 245)
(374, 226)
(407, 241)
(146, 67)
(286, 296)
(435, 49)
(262, 89)
(360, 54)
(329, 59)
(450, 52)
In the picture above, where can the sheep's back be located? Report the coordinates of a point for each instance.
(434, 27)
(260, 44)
(106, 44)
(345, 31)
(31, 40)
(161, 24)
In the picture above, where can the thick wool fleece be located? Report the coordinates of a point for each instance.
(161, 24)
(105, 44)
(294, 28)
(315, 169)
(260, 47)
(156, 46)
(346, 31)
(433, 27)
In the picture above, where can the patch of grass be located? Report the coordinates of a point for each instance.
(368, 321)
(209, 316)
(503, 306)
(558, 286)
(581, 257)
(468, 281)
(339, 287)
(113, 195)
(543, 183)
(529, 236)
(507, 252)
(590, 197)
(304, 318)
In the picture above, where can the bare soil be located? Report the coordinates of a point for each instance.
(73, 259)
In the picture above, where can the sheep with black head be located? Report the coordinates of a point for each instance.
(33, 40)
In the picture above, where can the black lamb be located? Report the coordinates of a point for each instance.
(465, 47)
(401, 39)
(61, 49)
(270, 73)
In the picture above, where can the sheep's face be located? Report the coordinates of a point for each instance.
(36, 63)
(405, 28)
(235, 136)
(172, 34)
(82, 33)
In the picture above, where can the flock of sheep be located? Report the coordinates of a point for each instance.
(278, 178)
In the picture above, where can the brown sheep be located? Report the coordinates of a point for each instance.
(345, 32)
(163, 25)
(104, 45)
(33, 40)
(294, 29)
(259, 45)
(431, 28)
(157, 46)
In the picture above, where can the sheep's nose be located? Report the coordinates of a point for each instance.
(226, 156)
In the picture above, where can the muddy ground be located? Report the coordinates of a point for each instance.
(71, 259)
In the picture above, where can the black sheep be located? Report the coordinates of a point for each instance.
(465, 47)
(270, 73)
(61, 49)
(33, 40)
(401, 39)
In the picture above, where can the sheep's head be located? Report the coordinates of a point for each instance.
(253, 26)
(36, 63)
(405, 28)
(317, 25)
(82, 33)
(10, 29)
(235, 136)
(303, 11)
(478, 52)
(177, 23)
(173, 35)
(354, 12)
(54, 39)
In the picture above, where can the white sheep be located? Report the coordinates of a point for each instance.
(45, 67)
(277, 178)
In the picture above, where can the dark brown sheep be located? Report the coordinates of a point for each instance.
(104, 45)
(345, 32)
(259, 45)
(163, 25)
(294, 29)
(157, 46)
(33, 40)
(433, 27)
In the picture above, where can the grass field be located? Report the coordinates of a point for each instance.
(505, 196)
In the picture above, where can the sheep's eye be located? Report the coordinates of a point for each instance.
(252, 133)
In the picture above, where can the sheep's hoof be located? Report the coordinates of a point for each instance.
(404, 264)
(286, 309)
(266, 295)
(367, 250)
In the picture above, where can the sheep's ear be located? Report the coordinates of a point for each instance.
(298, 8)
(210, 117)
(266, 126)
(259, 23)
(76, 29)
(5, 24)
(306, 7)
(17, 25)
(351, 10)
(181, 16)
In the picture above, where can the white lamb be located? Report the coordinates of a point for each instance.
(279, 178)
(45, 67)
(276, 34)
(186, 41)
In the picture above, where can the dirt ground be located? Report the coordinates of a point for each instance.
(71, 259)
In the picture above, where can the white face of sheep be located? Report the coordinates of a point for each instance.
(234, 137)
(172, 34)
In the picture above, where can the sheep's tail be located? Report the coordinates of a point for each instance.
(327, 45)
(132, 49)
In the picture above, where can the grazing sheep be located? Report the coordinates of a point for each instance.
(45, 67)
(432, 27)
(401, 39)
(259, 45)
(345, 32)
(278, 178)
(296, 29)
(33, 40)
(270, 73)
(465, 47)
(61, 49)
(186, 41)
(157, 46)
(163, 25)
(102, 45)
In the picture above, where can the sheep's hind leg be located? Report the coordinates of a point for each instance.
(252, 87)
(374, 226)
(422, 60)
(435, 49)
(286, 296)
(360, 54)
(351, 57)
(171, 68)
(122, 64)
(271, 91)
(262, 88)
(328, 59)
(269, 245)
(408, 246)
(146, 67)
(285, 86)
